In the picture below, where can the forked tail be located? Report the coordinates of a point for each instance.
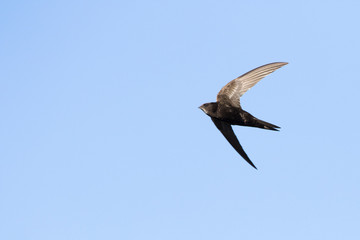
(265, 125)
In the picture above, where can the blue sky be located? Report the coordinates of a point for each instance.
(101, 135)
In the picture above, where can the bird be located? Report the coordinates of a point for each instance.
(227, 111)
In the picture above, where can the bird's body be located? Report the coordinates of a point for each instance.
(226, 111)
(237, 116)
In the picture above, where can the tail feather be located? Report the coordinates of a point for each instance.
(265, 125)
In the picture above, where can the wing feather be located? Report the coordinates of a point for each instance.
(227, 131)
(236, 88)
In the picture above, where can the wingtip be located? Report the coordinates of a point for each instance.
(283, 63)
(252, 164)
(280, 63)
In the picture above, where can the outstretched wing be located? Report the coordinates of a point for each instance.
(229, 134)
(232, 91)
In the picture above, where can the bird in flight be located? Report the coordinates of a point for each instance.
(226, 111)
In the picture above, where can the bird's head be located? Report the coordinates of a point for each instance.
(209, 108)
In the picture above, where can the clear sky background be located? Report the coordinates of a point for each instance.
(101, 136)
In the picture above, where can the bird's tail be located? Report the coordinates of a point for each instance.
(265, 125)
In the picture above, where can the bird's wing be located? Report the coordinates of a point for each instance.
(227, 131)
(232, 91)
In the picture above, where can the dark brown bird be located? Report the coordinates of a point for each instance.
(226, 111)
